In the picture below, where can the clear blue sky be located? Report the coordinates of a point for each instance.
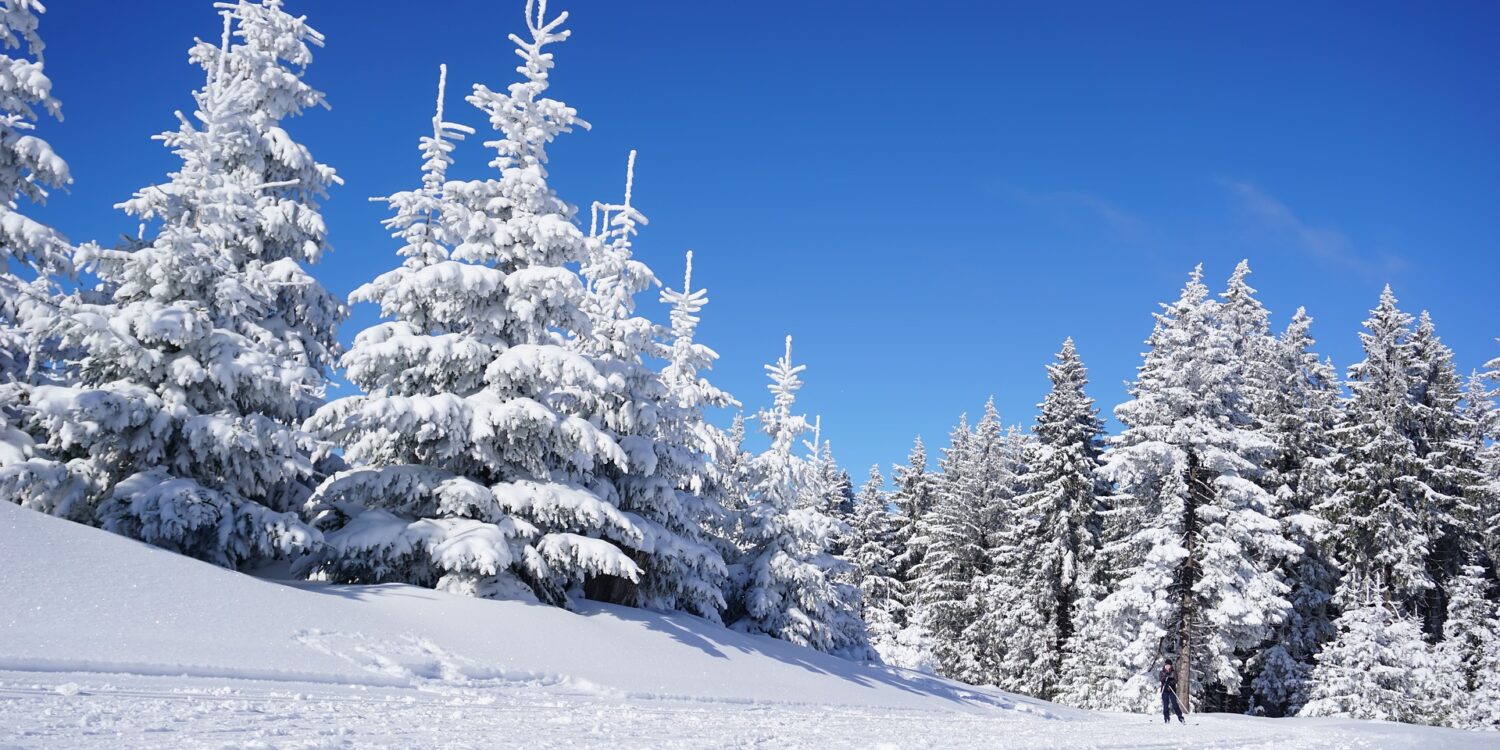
(929, 195)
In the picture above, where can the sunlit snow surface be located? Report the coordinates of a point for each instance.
(105, 642)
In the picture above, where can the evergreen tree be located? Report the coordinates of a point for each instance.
(1000, 464)
(1247, 323)
(418, 509)
(1449, 448)
(871, 561)
(955, 558)
(680, 567)
(1470, 652)
(914, 495)
(1378, 667)
(208, 343)
(486, 465)
(1389, 522)
(1483, 419)
(828, 486)
(29, 250)
(785, 581)
(1201, 556)
(990, 479)
(30, 253)
(1058, 527)
(709, 472)
(1380, 514)
(1301, 413)
(734, 473)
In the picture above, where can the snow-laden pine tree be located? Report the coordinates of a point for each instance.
(1386, 519)
(29, 250)
(207, 344)
(913, 495)
(1203, 545)
(680, 567)
(954, 559)
(1450, 449)
(1469, 653)
(785, 581)
(1247, 323)
(828, 487)
(30, 253)
(418, 508)
(1380, 513)
(1301, 413)
(734, 475)
(1483, 419)
(1378, 666)
(703, 464)
(1001, 465)
(481, 392)
(871, 563)
(1058, 527)
(961, 577)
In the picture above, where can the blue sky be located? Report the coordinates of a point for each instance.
(929, 196)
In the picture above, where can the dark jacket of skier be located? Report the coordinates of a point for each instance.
(1168, 680)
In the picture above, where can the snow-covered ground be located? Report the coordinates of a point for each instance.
(124, 645)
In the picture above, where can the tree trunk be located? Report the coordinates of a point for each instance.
(1199, 494)
(1184, 659)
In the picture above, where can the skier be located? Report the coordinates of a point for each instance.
(1169, 694)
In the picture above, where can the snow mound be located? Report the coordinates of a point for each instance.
(113, 605)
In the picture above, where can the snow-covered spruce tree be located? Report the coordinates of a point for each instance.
(680, 567)
(1202, 585)
(1378, 667)
(734, 475)
(1380, 532)
(500, 415)
(208, 344)
(1301, 413)
(419, 508)
(953, 559)
(1470, 651)
(1058, 528)
(784, 583)
(1450, 449)
(828, 486)
(30, 252)
(914, 494)
(1247, 323)
(1483, 419)
(997, 457)
(709, 471)
(871, 563)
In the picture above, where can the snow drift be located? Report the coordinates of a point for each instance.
(119, 606)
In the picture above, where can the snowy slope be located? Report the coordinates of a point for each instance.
(122, 606)
(124, 645)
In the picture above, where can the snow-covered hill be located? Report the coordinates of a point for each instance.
(105, 642)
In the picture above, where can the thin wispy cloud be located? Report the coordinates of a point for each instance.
(1325, 244)
(1118, 221)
